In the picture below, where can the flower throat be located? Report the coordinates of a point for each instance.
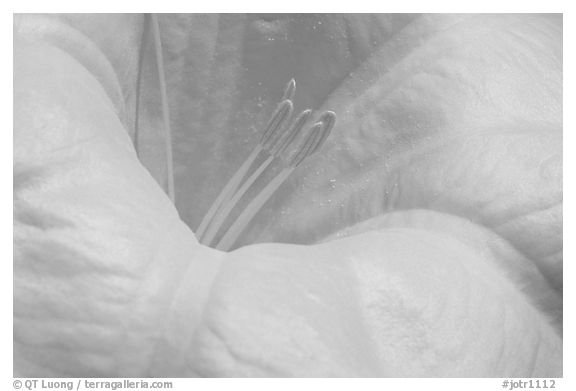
(275, 145)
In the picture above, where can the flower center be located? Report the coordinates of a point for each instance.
(274, 144)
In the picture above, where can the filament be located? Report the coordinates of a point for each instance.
(143, 45)
(227, 192)
(248, 214)
(165, 110)
(220, 217)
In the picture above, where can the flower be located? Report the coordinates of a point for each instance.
(437, 198)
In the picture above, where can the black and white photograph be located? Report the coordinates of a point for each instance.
(292, 195)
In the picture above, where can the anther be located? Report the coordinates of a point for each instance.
(289, 136)
(308, 145)
(290, 90)
(329, 120)
(274, 127)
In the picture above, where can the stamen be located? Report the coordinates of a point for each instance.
(278, 148)
(270, 135)
(312, 143)
(274, 142)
